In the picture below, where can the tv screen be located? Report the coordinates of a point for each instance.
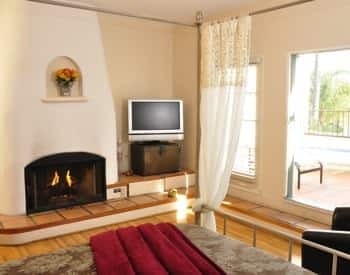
(155, 116)
(155, 119)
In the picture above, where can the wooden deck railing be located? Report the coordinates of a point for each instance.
(331, 123)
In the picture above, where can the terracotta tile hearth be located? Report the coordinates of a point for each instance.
(159, 196)
(43, 218)
(122, 204)
(78, 213)
(142, 199)
(74, 212)
(17, 222)
(97, 208)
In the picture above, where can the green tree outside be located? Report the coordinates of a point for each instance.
(333, 113)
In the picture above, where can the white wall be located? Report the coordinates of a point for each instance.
(143, 60)
(185, 85)
(322, 24)
(148, 59)
(31, 128)
(139, 63)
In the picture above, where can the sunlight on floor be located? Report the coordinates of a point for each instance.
(181, 207)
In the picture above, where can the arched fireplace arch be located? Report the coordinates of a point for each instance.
(64, 180)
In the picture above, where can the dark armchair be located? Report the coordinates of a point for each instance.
(337, 238)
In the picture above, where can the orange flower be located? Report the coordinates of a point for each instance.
(59, 72)
(75, 74)
(67, 74)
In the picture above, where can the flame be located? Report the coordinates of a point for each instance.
(56, 179)
(69, 179)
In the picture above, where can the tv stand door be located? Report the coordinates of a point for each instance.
(155, 158)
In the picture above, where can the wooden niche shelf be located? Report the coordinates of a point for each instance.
(61, 99)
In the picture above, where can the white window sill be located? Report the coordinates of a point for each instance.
(244, 183)
(243, 178)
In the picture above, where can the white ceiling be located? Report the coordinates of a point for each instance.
(174, 10)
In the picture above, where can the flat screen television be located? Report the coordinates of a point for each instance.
(155, 120)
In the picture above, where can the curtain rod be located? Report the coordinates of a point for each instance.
(199, 15)
(106, 11)
(279, 7)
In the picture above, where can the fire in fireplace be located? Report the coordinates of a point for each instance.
(64, 180)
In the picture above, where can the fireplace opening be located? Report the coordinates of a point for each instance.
(63, 180)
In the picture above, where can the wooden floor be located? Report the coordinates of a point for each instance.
(273, 216)
(273, 244)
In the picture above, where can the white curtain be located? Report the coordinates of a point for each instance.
(225, 48)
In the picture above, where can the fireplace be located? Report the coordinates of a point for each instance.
(63, 180)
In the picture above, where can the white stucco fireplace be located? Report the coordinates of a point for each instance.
(32, 128)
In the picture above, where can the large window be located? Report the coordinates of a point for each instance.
(319, 128)
(322, 83)
(245, 163)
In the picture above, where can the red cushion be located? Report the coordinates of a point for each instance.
(109, 255)
(149, 249)
(140, 255)
(197, 257)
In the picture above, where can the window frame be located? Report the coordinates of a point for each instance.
(289, 157)
(238, 178)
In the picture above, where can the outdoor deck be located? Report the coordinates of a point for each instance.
(335, 190)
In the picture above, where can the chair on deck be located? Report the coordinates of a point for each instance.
(309, 167)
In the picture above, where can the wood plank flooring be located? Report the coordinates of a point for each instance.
(273, 216)
(273, 244)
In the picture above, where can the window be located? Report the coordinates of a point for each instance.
(245, 163)
(319, 128)
(321, 84)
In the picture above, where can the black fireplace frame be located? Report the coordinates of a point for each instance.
(59, 159)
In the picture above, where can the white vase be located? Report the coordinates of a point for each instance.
(65, 90)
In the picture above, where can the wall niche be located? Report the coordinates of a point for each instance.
(52, 90)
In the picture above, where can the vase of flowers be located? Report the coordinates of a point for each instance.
(65, 79)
